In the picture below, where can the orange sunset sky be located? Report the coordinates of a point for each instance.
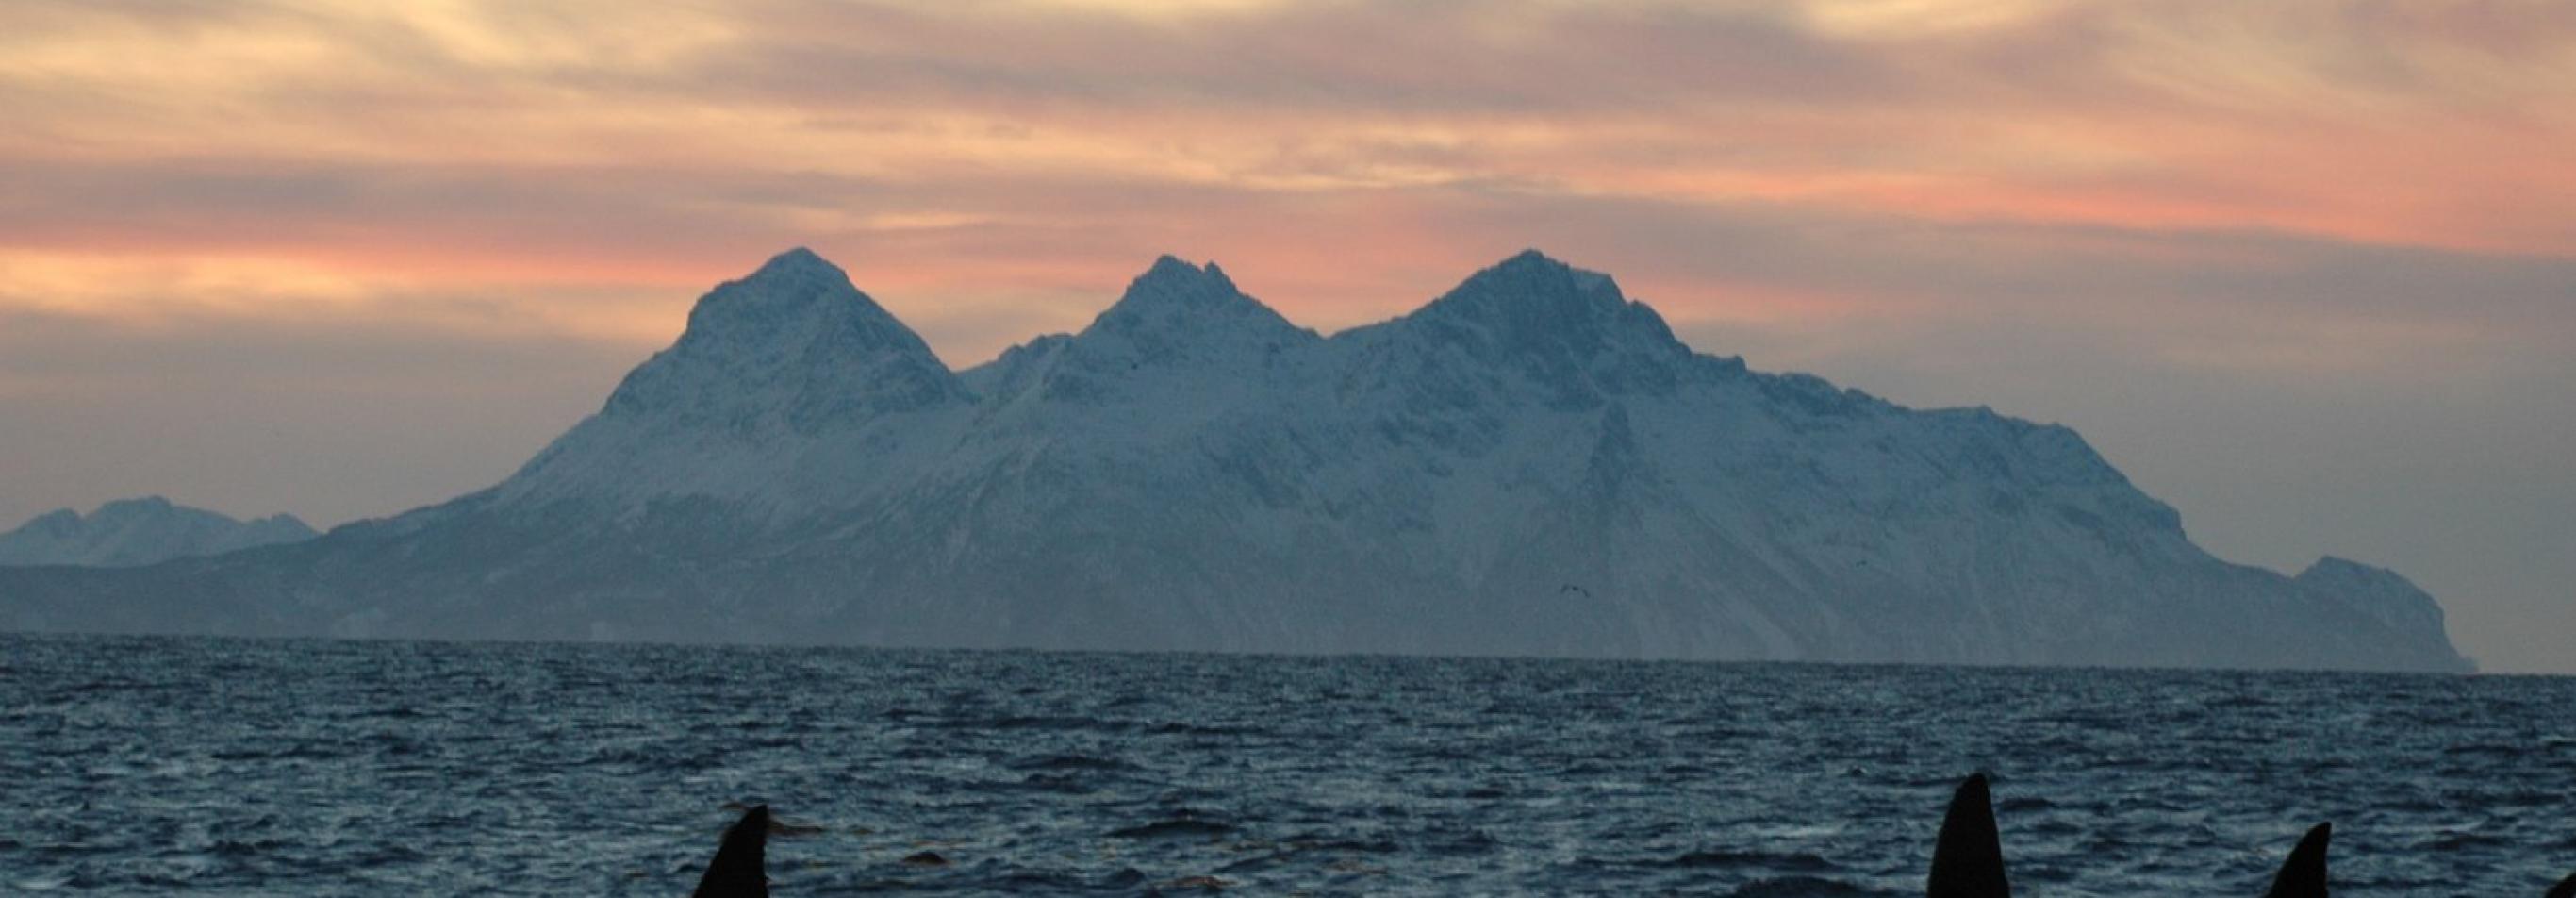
(2305, 269)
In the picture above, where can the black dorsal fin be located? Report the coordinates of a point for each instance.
(2566, 888)
(1968, 862)
(2304, 874)
(740, 870)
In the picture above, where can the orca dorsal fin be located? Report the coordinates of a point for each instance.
(2304, 874)
(2566, 888)
(1968, 862)
(740, 869)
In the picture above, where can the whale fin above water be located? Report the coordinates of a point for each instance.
(1968, 861)
(2304, 874)
(740, 869)
(2566, 888)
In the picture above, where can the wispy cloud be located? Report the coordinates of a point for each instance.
(1884, 153)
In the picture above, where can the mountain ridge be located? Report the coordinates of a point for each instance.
(140, 531)
(1531, 463)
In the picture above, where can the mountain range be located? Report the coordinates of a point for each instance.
(1531, 464)
(130, 532)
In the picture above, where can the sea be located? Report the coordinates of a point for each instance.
(185, 766)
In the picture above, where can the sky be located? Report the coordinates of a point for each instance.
(2304, 269)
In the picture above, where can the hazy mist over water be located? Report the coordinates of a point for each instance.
(223, 767)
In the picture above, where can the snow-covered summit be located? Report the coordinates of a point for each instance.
(1534, 303)
(792, 346)
(1570, 336)
(769, 364)
(1178, 314)
(147, 530)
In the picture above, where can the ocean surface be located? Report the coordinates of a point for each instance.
(228, 767)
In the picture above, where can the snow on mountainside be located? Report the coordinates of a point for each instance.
(769, 364)
(142, 531)
(1531, 464)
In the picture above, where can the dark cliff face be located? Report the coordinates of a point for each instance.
(2377, 592)
(1530, 464)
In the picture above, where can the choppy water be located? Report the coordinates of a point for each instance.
(316, 768)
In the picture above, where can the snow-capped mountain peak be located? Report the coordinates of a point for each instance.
(793, 301)
(1569, 330)
(1172, 278)
(1178, 313)
(793, 345)
(1530, 296)
(770, 367)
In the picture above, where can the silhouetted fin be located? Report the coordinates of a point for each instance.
(2304, 874)
(739, 870)
(1969, 860)
(778, 826)
(2566, 888)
